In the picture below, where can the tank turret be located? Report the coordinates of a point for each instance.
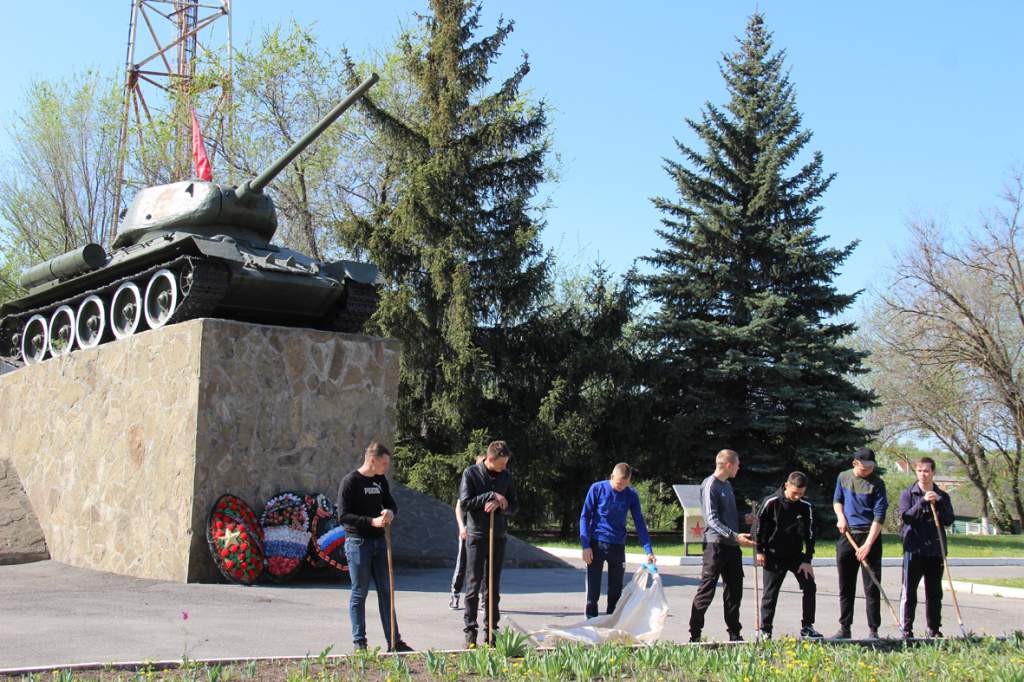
(185, 250)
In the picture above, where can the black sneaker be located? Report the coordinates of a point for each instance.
(735, 637)
(873, 634)
(766, 634)
(360, 645)
(808, 632)
(453, 604)
(401, 647)
(471, 639)
(935, 634)
(694, 638)
(907, 634)
(841, 633)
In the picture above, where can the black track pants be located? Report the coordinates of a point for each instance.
(725, 561)
(459, 575)
(847, 565)
(915, 567)
(774, 575)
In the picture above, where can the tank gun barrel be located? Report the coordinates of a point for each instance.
(256, 185)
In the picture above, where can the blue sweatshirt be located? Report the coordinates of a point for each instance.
(864, 499)
(604, 516)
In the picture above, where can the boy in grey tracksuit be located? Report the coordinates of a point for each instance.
(722, 541)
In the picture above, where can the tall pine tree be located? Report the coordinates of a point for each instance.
(748, 353)
(456, 232)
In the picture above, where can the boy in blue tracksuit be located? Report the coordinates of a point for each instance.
(860, 503)
(603, 534)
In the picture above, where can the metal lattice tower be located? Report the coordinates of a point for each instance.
(171, 70)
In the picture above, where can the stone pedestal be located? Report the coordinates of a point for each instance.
(123, 449)
(21, 538)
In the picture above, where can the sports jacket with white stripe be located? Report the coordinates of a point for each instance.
(785, 529)
(718, 505)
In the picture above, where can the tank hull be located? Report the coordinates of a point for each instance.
(206, 276)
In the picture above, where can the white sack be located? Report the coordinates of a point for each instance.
(639, 617)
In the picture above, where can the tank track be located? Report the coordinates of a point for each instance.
(360, 303)
(203, 284)
(206, 287)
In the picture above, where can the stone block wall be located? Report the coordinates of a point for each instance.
(122, 449)
(21, 538)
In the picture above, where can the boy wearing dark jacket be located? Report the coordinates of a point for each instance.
(486, 487)
(784, 532)
(922, 549)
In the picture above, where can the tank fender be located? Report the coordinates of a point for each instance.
(364, 273)
(223, 249)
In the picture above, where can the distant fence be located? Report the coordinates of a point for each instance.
(982, 527)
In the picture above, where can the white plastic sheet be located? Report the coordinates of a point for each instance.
(639, 617)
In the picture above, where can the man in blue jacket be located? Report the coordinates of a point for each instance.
(860, 503)
(603, 534)
(922, 548)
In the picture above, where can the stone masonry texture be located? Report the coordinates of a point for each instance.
(21, 538)
(123, 449)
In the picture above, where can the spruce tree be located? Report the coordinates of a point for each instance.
(455, 230)
(749, 353)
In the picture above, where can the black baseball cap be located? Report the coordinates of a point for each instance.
(865, 455)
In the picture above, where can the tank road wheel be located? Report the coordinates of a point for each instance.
(92, 322)
(35, 340)
(125, 310)
(161, 298)
(10, 340)
(62, 331)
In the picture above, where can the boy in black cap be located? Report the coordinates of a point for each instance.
(860, 503)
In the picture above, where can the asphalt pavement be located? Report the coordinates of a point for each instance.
(52, 614)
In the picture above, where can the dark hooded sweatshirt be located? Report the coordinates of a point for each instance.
(784, 530)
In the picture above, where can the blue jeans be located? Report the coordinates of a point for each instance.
(368, 557)
(615, 557)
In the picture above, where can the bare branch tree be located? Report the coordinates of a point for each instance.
(947, 339)
(56, 189)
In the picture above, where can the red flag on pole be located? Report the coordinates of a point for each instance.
(203, 169)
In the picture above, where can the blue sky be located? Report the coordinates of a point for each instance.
(915, 105)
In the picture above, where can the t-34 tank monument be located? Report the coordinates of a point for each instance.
(195, 359)
(187, 250)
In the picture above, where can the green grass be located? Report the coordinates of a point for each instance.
(1001, 582)
(512, 661)
(960, 546)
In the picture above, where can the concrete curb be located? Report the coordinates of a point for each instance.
(990, 590)
(169, 664)
(639, 559)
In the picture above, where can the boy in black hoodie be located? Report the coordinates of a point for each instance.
(486, 488)
(784, 531)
